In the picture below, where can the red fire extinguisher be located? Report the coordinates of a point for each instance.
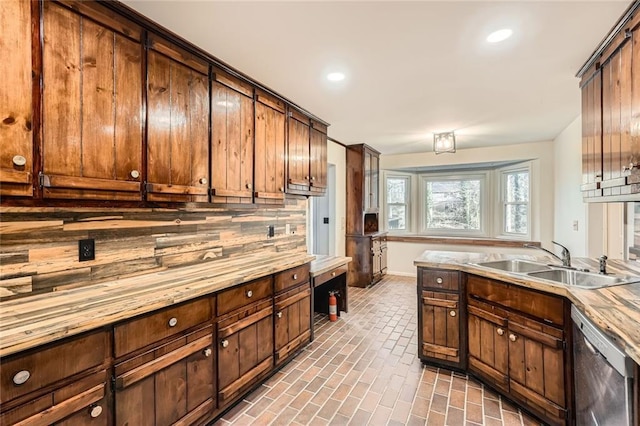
(333, 307)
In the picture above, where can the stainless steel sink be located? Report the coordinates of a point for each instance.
(582, 279)
(515, 265)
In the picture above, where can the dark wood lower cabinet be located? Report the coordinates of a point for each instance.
(245, 349)
(369, 259)
(292, 321)
(173, 383)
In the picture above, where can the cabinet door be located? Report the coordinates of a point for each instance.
(292, 321)
(298, 154)
(366, 193)
(174, 382)
(16, 112)
(632, 157)
(269, 179)
(231, 140)
(375, 182)
(177, 125)
(488, 343)
(383, 256)
(91, 106)
(440, 326)
(245, 351)
(592, 137)
(536, 366)
(318, 165)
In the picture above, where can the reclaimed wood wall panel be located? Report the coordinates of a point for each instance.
(39, 250)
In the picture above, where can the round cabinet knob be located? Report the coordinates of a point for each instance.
(513, 337)
(248, 186)
(21, 377)
(134, 174)
(249, 293)
(173, 322)
(452, 313)
(500, 331)
(313, 178)
(19, 160)
(282, 189)
(306, 178)
(95, 411)
(207, 352)
(439, 280)
(333, 274)
(295, 276)
(224, 343)
(279, 314)
(203, 181)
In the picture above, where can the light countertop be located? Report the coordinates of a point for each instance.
(324, 263)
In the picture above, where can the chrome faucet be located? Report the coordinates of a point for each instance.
(566, 256)
(603, 264)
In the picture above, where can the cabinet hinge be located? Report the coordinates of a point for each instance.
(44, 180)
(113, 384)
(564, 345)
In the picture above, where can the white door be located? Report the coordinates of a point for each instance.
(324, 217)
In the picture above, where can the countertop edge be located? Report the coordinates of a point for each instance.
(40, 332)
(324, 264)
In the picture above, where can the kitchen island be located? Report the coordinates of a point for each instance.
(514, 331)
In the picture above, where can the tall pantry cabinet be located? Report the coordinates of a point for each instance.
(365, 244)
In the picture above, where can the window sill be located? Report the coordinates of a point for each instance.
(487, 242)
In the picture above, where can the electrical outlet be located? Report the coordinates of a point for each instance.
(86, 250)
(272, 231)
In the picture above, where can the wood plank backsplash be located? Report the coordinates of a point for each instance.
(39, 246)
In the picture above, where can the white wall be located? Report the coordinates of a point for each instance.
(401, 255)
(569, 207)
(337, 155)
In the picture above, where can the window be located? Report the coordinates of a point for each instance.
(515, 202)
(397, 203)
(453, 205)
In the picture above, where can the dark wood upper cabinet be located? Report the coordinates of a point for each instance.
(270, 150)
(318, 163)
(91, 104)
(362, 189)
(232, 122)
(298, 153)
(16, 113)
(177, 124)
(610, 113)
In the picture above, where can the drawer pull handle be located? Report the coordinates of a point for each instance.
(248, 186)
(249, 293)
(295, 276)
(95, 411)
(21, 377)
(135, 175)
(207, 352)
(203, 181)
(224, 343)
(513, 337)
(19, 160)
(279, 314)
(452, 313)
(439, 280)
(500, 332)
(173, 322)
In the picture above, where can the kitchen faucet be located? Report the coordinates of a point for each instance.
(566, 256)
(603, 264)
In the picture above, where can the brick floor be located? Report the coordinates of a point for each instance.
(364, 369)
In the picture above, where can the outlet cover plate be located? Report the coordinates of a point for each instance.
(86, 250)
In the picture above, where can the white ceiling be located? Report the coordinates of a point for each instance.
(413, 67)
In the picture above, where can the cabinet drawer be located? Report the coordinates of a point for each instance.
(138, 333)
(83, 402)
(441, 279)
(329, 275)
(546, 307)
(243, 295)
(22, 374)
(291, 277)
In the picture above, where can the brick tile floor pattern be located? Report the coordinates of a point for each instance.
(364, 370)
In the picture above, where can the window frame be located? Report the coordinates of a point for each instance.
(407, 177)
(484, 176)
(503, 203)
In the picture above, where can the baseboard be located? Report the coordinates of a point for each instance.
(402, 274)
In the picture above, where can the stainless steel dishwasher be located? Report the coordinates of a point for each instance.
(603, 376)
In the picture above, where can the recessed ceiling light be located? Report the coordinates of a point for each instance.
(500, 35)
(335, 76)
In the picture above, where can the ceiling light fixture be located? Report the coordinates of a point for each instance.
(335, 76)
(444, 142)
(500, 35)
